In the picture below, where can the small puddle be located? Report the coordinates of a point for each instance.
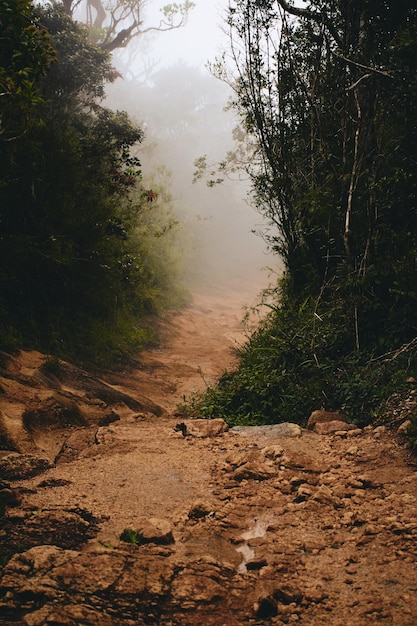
(258, 530)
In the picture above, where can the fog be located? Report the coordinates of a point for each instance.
(181, 106)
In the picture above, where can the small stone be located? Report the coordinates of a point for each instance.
(265, 608)
(379, 431)
(202, 428)
(403, 428)
(334, 426)
(303, 493)
(321, 417)
(273, 452)
(355, 432)
(200, 509)
(253, 471)
(301, 461)
(352, 450)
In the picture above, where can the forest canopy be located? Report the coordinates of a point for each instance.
(327, 91)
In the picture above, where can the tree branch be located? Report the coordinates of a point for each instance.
(319, 18)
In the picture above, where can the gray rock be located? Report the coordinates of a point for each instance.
(286, 429)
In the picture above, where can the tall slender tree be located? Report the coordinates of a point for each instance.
(329, 92)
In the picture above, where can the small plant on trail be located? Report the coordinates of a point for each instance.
(134, 537)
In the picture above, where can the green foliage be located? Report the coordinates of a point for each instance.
(331, 102)
(25, 56)
(298, 361)
(86, 250)
(132, 536)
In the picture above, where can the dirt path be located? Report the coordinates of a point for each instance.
(236, 527)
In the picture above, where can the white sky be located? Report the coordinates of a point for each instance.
(201, 40)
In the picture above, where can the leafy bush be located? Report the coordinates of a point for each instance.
(298, 361)
(88, 253)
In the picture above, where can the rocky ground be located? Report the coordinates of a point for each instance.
(118, 511)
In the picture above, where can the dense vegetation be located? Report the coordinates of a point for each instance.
(328, 93)
(87, 251)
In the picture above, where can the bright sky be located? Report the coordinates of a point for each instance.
(196, 43)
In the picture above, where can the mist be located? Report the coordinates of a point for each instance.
(182, 110)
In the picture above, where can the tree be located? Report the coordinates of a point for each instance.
(25, 56)
(328, 91)
(321, 87)
(115, 23)
(75, 270)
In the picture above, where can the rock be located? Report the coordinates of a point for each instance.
(273, 452)
(200, 509)
(322, 417)
(26, 528)
(109, 418)
(253, 471)
(403, 428)
(333, 426)
(158, 531)
(15, 466)
(265, 608)
(10, 497)
(202, 427)
(286, 429)
(57, 411)
(355, 432)
(200, 582)
(300, 460)
(325, 495)
(75, 444)
(236, 459)
(288, 594)
(379, 431)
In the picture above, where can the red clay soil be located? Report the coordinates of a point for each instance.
(233, 527)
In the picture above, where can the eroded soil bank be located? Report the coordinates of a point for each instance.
(234, 527)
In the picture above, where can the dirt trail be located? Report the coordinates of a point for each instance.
(236, 527)
(197, 345)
